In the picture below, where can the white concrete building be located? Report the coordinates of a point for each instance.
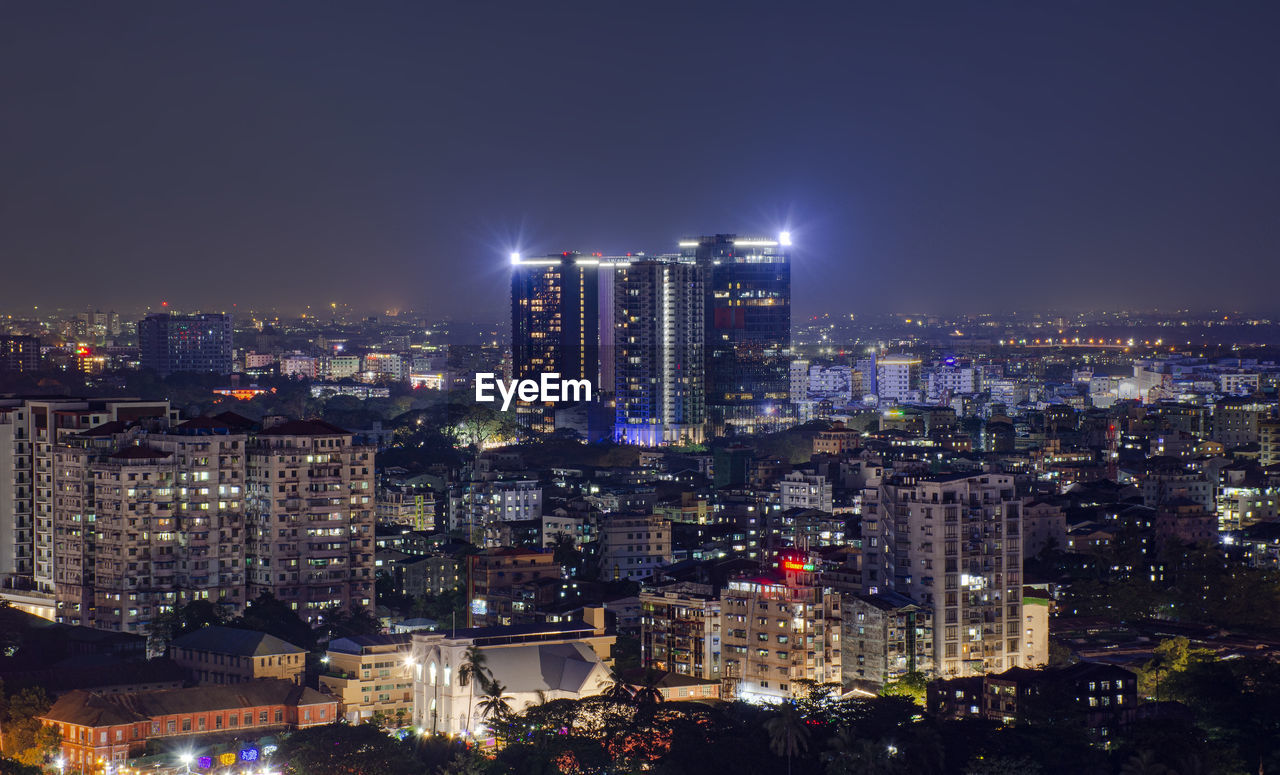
(535, 663)
(949, 378)
(799, 490)
(299, 365)
(953, 544)
(898, 378)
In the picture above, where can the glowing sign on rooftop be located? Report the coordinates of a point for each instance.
(798, 565)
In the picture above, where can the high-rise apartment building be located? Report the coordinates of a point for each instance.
(1236, 420)
(952, 544)
(1269, 439)
(886, 637)
(19, 353)
(148, 521)
(747, 322)
(30, 429)
(555, 323)
(658, 352)
(309, 514)
(898, 378)
(177, 343)
(680, 630)
(779, 628)
(949, 378)
(633, 547)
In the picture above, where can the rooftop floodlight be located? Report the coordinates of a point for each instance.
(784, 239)
(515, 257)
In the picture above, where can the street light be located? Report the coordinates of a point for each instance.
(186, 758)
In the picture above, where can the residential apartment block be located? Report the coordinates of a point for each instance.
(680, 630)
(779, 628)
(633, 547)
(886, 637)
(310, 517)
(952, 544)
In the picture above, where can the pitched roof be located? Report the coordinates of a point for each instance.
(233, 420)
(108, 428)
(888, 600)
(95, 710)
(204, 422)
(640, 676)
(304, 428)
(139, 452)
(564, 667)
(229, 640)
(87, 709)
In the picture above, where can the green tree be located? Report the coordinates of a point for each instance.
(495, 704)
(475, 425)
(25, 738)
(1003, 765)
(187, 618)
(338, 622)
(911, 685)
(363, 749)
(788, 734)
(1144, 763)
(11, 767)
(1171, 656)
(472, 671)
(267, 614)
(470, 762)
(851, 755)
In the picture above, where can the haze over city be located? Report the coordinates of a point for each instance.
(854, 388)
(956, 157)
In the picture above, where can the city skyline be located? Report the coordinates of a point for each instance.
(1094, 155)
(405, 388)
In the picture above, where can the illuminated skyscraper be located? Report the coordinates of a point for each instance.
(747, 321)
(197, 343)
(658, 359)
(555, 324)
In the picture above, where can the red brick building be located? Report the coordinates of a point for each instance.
(99, 727)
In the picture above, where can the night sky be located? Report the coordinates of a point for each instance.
(941, 156)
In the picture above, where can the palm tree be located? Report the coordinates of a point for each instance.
(1144, 763)
(495, 702)
(473, 671)
(648, 694)
(788, 734)
(540, 698)
(843, 744)
(618, 690)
